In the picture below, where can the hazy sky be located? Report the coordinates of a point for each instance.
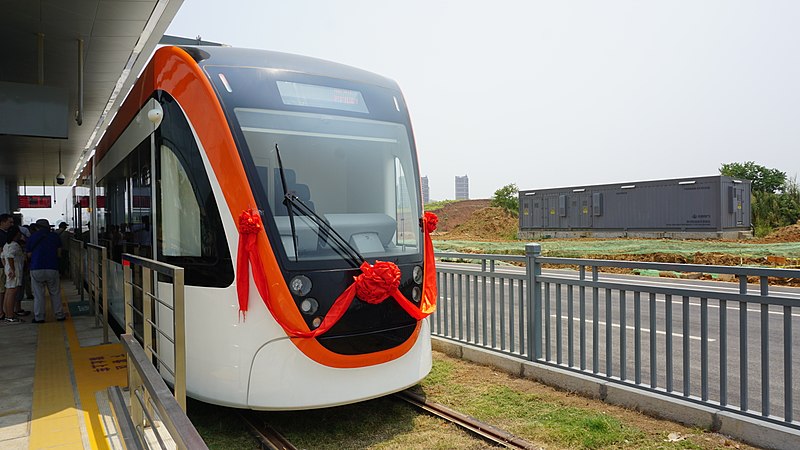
(548, 94)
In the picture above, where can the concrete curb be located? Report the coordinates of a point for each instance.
(745, 429)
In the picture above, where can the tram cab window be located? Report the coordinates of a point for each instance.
(357, 174)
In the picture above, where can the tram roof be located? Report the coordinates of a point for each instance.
(230, 56)
(118, 38)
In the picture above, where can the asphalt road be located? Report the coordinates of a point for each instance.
(487, 311)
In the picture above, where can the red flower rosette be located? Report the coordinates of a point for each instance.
(377, 282)
(429, 222)
(250, 222)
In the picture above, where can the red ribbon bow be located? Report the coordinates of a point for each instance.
(377, 282)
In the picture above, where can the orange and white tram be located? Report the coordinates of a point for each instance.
(288, 189)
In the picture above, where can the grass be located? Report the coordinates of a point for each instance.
(439, 204)
(537, 413)
(547, 417)
(219, 427)
(530, 415)
(584, 247)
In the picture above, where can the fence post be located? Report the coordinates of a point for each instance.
(84, 262)
(533, 270)
(104, 292)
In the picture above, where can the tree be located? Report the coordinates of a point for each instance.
(764, 179)
(775, 199)
(506, 198)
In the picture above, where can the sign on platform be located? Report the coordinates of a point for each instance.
(34, 201)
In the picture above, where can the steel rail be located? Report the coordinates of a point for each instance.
(482, 430)
(267, 437)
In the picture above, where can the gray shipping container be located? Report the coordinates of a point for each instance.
(702, 206)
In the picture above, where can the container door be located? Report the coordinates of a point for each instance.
(537, 213)
(585, 211)
(739, 205)
(550, 212)
(525, 213)
(579, 216)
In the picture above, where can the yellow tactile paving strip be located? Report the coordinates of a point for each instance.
(96, 369)
(55, 418)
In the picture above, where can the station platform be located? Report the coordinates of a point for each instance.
(53, 380)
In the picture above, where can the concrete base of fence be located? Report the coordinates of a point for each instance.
(752, 431)
(759, 433)
(673, 409)
(565, 380)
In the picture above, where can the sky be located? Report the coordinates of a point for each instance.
(560, 93)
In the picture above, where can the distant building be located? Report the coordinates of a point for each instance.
(462, 188)
(426, 191)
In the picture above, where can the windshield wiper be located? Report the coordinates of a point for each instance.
(291, 201)
(286, 202)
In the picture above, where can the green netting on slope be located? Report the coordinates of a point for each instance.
(580, 248)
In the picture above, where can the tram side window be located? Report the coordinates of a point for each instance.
(189, 229)
(124, 206)
(181, 213)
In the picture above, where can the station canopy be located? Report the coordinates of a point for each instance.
(67, 65)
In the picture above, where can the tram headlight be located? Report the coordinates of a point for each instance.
(309, 306)
(300, 285)
(417, 273)
(316, 322)
(416, 293)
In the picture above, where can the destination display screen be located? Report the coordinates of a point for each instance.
(299, 94)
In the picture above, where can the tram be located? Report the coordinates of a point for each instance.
(288, 189)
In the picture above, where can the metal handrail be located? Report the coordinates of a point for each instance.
(585, 323)
(150, 321)
(77, 263)
(148, 388)
(98, 284)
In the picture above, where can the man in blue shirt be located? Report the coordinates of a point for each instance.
(43, 248)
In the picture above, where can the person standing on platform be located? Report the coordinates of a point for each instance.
(13, 261)
(26, 273)
(6, 221)
(43, 248)
(65, 237)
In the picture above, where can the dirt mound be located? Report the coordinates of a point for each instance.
(454, 214)
(712, 258)
(785, 234)
(486, 224)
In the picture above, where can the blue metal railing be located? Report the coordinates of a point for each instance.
(655, 334)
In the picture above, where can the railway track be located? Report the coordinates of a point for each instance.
(270, 439)
(482, 430)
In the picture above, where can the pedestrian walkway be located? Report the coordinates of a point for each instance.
(53, 380)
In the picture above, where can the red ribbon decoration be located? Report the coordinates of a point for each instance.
(375, 284)
(430, 291)
(249, 227)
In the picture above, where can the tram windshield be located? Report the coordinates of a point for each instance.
(356, 174)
